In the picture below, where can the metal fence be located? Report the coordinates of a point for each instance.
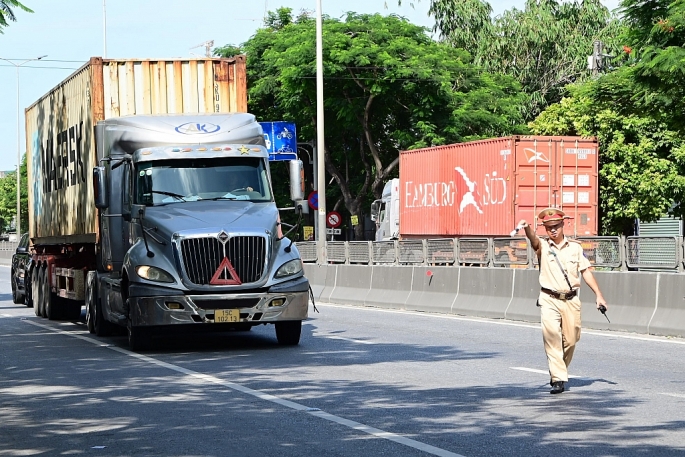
(9, 246)
(604, 252)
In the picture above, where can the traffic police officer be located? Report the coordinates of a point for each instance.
(562, 262)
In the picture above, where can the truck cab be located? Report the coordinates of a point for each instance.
(385, 212)
(189, 232)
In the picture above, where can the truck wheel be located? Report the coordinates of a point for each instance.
(138, 338)
(101, 326)
(16, 296)
(44, 291)
(288, 332)
(35, 290)
(91, 297)
(53, 306)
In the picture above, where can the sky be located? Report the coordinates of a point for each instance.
(71, 32)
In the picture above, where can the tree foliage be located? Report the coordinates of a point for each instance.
(7, 13)
(642, 160)
(544, 46)
(387, 87)
(8, 199)
(656, 38)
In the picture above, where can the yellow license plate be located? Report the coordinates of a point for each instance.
(226, 315)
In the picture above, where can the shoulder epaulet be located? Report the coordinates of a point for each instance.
(573, 240)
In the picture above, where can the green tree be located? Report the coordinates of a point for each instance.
(7, 14)
(544, 46)
(656, 39)
(8, 198)
(642, 161)
(387, 87)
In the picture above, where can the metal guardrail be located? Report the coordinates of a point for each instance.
(666, 253)
(9, 245)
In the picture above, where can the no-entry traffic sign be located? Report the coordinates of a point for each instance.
(333, 219)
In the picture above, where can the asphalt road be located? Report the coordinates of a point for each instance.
(362, 382)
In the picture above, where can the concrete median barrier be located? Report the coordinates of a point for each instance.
(642, 302)
(631, 298)
(526, 291)
(484, 292)
(316, 274)
(433, 289)
(669, 316)
(352, 284)
(329, 284)
(390, 286)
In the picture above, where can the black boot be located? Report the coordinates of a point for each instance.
(557, 387)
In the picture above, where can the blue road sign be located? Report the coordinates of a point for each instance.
(281, 140)
(313, 200)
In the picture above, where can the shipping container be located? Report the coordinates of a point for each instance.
(60, 128)
(483, 188)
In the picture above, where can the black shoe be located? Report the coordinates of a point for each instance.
(557, 387)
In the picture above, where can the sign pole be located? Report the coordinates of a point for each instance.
(317, 235)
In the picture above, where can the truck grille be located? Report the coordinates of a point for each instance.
(204, 257)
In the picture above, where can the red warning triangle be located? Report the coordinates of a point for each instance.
(226, 275)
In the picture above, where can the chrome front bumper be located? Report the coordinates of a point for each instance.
(255, 308)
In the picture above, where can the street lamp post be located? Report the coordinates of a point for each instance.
(320, 145)
(18, 222)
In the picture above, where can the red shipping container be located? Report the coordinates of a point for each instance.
(483, 188)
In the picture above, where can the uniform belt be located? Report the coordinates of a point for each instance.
(560, 295)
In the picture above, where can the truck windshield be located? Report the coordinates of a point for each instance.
(172, 181)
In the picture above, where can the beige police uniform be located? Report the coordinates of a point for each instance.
(560, 318)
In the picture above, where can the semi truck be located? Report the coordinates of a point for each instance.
(483, 188)
(151, 203)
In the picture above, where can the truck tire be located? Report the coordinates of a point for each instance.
(101, 326)
(288, 332)
(35, 290)
(91, 297)
(53, 306)
(44, 291)
(138, 338)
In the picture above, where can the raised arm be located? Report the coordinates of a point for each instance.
(531, 235)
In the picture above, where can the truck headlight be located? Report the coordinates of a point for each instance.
(154, 274)
(289, 268)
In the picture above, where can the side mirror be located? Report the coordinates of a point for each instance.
(375, 210)
(22, 250)
(100, 188)
(296, 180)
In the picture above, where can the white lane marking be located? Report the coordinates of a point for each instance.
(609, 334)
(672, 395)
(545, 372)
(336, 337)
(264, 396)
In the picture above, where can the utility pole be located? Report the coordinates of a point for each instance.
(18, 222)
(104, 29)
(208, 47)
(597, 54)
(320, 144)
(597, 61)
